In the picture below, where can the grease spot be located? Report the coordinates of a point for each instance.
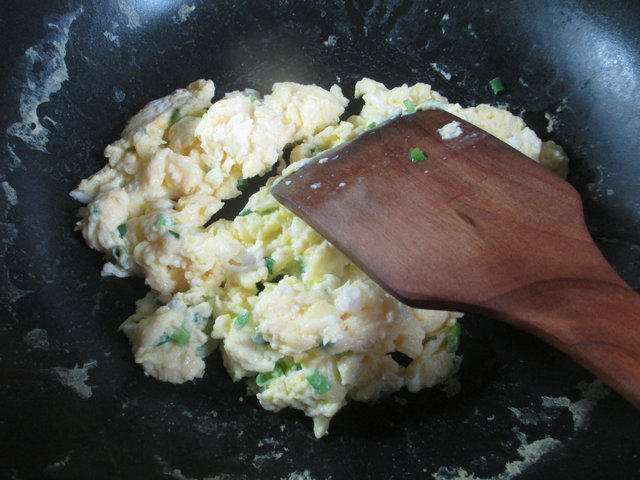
(76, 378)
(118, 95)
(44, 72)
(550, 122)
(183, 13)
(14, 160)
(60, 464)
(297, 475)
(37, 338)
(525, 415)
(177, 474)
(592, 393)
(11, 293)
(259, 460)
(331, 41)
(112, 37)
(10, 193)
(529, 454)
(441, 71)
(133, 19)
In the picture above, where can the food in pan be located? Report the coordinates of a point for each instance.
(291, 315)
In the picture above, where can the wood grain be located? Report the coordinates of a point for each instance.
(476, 227)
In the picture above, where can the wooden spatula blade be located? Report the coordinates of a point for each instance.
(421, 229)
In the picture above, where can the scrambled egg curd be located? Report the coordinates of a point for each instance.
(290, 313)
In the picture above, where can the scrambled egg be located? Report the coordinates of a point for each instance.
(290, 313)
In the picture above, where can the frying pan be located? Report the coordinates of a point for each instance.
(74, 72)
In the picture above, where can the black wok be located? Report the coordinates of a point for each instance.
(74, 72)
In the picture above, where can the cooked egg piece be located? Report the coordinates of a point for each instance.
(292, 315)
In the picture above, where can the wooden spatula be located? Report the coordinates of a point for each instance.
(475, 227)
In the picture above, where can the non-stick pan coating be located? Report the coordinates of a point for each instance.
(79, 70)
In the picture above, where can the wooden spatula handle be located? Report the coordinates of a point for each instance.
(597, 322)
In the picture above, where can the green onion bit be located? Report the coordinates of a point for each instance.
(452, 338)
(242, 319)
(496, 85)
(267, 211)
(162, 221)
(319, 382)
(242, 184)
(411, 108)
(270, 262)
(258, 338)
(176, 116)
(301, 266)
(416, 155)
(180, 335)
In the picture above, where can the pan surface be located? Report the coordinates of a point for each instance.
(74, 72)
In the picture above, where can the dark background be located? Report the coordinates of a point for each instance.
(580, 57)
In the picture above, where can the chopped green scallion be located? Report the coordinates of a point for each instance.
(281, 367)
(301, 266)
(122, 230)
(411, 108)
(242, 319)
(416, 155)
(180, 335)
(174, 234)
(121, 254)
(267, 211)
(163, 221)
(285, 363)
(319, 382)
(242, 184)
(245, 212)
(370, 126)
(265, 378)
(496, 85)
(208, 326)
(176, 116)
(252, 98)
(258, 338)
(270, 263)
(452, 338)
